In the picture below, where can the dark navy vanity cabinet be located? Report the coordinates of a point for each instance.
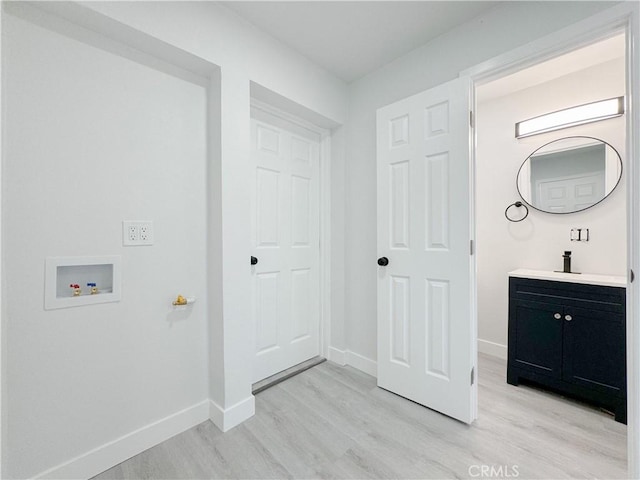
(569, 337)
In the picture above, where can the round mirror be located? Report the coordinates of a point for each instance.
(569, 175)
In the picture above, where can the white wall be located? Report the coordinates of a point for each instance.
(338, 166)
(504, 28)
(132, 363)
(218, 35)
(92, 139)
(245, 55)
(539, 241)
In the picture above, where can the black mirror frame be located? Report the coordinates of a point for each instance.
(582, 209)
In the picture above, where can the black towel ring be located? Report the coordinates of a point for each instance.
(516, 204)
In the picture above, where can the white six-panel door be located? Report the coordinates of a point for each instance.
(285, 210)
(571, 193)
(425, 325)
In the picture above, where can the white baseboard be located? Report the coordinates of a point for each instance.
(347, 357)
(362, 363)
(337, 356)
(102, 458)
(355, 360)
(492, 348)
(225, 420)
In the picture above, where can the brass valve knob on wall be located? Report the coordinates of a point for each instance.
(182, 300)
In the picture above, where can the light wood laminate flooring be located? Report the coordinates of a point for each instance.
(333, 422)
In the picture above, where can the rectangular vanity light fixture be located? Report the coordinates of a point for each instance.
(570, 117)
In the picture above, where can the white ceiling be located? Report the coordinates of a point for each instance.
(589, 56)
(351, 39)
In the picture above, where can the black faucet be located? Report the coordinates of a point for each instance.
(567, 261)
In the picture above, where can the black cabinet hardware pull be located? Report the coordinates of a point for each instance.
(254, 260)
(383, 261)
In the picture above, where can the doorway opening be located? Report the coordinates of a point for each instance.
(596, 235)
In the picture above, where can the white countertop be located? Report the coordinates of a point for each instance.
(587, 278)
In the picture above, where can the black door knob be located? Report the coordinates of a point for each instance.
(383, 261)
(254, 260)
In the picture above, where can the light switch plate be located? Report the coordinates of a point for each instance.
(579, 235)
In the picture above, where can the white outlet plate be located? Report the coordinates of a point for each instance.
(136, 233)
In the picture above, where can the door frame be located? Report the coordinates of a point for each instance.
(623, 17)
(324, 190)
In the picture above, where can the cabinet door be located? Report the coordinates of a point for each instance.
(535, 337)
(594, 349)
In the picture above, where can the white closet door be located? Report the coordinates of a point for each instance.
(285, 208)
(425, 325)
